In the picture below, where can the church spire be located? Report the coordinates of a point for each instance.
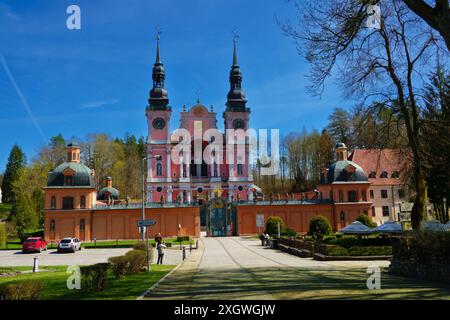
(158, 94)
(236, 98)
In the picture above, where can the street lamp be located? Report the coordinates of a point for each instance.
(144, 233)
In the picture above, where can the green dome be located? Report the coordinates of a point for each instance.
(81, 178)
(337, 173)
(112, 192)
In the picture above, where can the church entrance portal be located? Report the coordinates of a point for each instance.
(218, 218)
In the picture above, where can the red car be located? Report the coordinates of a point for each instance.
(34, 244)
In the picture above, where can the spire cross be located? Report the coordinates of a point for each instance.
(158, 32)
(198, 95)
(235, 36)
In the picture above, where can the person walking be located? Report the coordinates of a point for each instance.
(160, 247)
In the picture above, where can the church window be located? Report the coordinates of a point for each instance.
(52, 225)
(53, 202)
(373, 175)
(352, 196)
(68, 180)
(159, 169)
(341, 196)
(384, 174)
(82, 224)
(342, 216)
(363, 195)
(68, 203)
(83, 202)
(240, 169)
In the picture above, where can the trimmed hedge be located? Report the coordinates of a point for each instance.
(332, 250)
(319, 223)
(21, 290)
(93, 278)
(272, 225)
(130, 263)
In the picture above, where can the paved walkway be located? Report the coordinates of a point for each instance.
(239, 268)
(12, 258)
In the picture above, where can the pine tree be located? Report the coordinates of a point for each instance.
(16, 161)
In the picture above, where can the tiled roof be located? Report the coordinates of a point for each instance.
(379, 160)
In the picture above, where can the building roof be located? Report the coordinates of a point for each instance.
(113, 192)
(344, 171)
(376, 161)
(82, 176)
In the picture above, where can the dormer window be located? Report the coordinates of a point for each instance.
(372, 175)
(384, 175)
(395, 175)
(68, 180)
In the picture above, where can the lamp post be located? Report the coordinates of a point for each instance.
(144, 232)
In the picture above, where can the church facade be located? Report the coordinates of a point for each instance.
(189, 174)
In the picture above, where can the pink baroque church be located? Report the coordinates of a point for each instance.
(192, 179)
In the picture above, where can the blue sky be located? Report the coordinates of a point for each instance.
(97, 79)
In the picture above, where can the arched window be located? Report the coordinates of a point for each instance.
(82, 225)
(68, 180)
(68, 203)
(53, 202)
(384, 174)
(342, 216)
(83, 202)
(240, 169)
(372, 175)
(52, 225)
(159, 169)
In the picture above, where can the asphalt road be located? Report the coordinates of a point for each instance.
(12, 258)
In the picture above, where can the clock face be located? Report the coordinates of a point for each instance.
(159, 123)
(238, 124)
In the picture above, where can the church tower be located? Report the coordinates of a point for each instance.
(237, 116)
(158, 113)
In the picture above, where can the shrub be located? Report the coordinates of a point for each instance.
(93, 278)
(119, 266)
(290, 232)
(21, 290)
(183, 238)
(137, 259)
(272, 225)
(364, 219)
(337, 251)
(321, 223)
(140, 245)
(3, 235)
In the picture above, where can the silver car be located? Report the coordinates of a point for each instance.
(69, 245)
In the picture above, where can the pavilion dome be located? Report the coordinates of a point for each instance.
(106, 192)
(82, 175)
(345, 171)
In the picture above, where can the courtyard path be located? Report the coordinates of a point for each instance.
(240, 268)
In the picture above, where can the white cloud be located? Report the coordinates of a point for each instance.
(100, 103)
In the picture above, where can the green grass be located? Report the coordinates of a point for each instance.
(55, 288)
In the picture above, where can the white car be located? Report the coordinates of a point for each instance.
(69, 245)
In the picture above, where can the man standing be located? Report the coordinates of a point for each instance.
(160, 247)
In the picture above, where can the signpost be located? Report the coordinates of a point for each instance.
(143, 224)
(259, 222)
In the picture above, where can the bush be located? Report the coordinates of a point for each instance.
(21, 290)
(183, 238)
(137, 259)
(290, 232)
(119, 266)
(321, 223)
(3, 235)
(140, 245)
(93, 278)
(364, 219)
(272, 225)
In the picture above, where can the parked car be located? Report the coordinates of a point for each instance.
(34, 244)
(69, 245)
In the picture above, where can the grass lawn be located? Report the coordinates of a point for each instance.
(55, 277)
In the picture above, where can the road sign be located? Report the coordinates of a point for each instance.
(260, 220)
(146, 223)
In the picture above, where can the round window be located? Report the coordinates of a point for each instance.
(159, 189)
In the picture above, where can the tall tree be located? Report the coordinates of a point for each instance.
(54, 153)
(23, 214)
(380, 63)
(339, 126)
(16, 162)
(435, 135)
(326, 149)
(437, 16)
